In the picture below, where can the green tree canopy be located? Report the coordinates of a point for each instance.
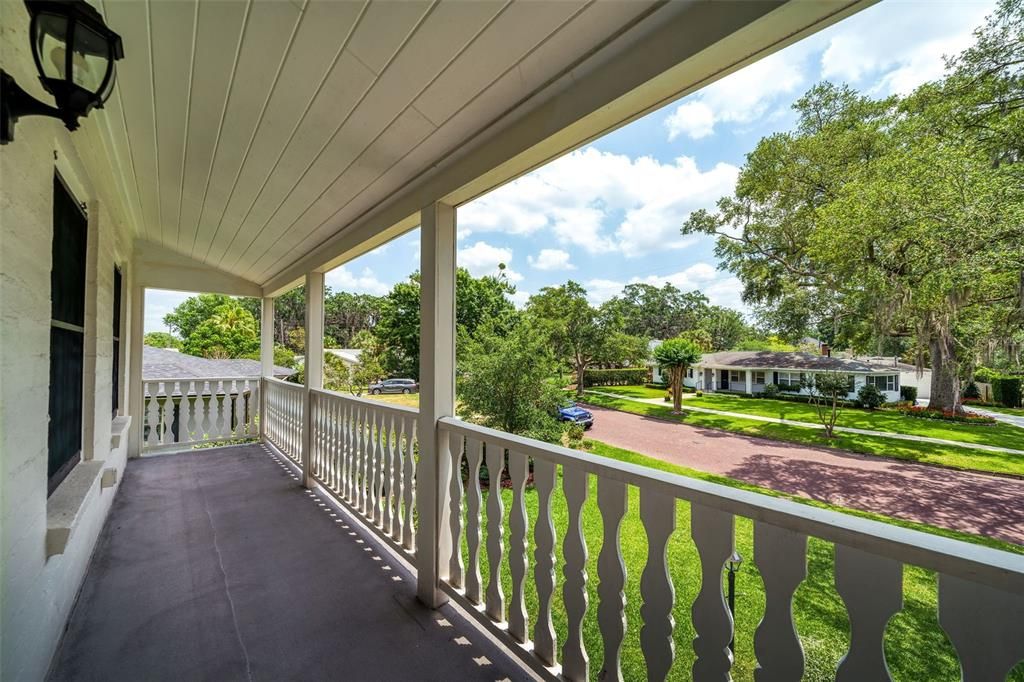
(161, 340)
(647, 311)
(229, 332)
(675, 355)
(502, 381)
(904, 215)
(579, 333)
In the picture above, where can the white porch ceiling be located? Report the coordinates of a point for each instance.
(246, 133)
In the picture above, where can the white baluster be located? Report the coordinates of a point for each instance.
(184, 410)
(237, 409)
(378, 472)
(712, 532)
(872, 589)
(337, 420)
(152, 413)
(575, 664)
(518, 466)
(358, 437)
(545, 642)
(395, 493)
(373, 513)
(409, 486)
(781, 558)
(985, 625)
(455, 567)
(611, 574)
(252, 423)
(658, 515)
(474, 456)
(205, 425)
(187, 431)
(495, 532)
(388, 460)
(223, 409)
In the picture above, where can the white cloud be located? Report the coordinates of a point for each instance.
(602, 202)
(366, 282)
(741, 97)
(551, 259)
(483, 259)
(720, 288)
(893, 48)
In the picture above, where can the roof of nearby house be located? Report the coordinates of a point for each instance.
(165, 363)
(349, 355)
(765, 359)
(889, 362)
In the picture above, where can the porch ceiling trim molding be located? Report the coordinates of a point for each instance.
(672, 52)
(157, 267)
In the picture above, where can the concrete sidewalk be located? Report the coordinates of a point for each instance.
(808, 425)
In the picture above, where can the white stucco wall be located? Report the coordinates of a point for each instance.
(36, 592)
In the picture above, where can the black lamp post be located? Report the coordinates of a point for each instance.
(733, 566)
(75, 54)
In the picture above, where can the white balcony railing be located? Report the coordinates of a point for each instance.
(285, 410)
(364, 453)
(182, 413)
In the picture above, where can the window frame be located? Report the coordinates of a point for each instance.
(755, 380)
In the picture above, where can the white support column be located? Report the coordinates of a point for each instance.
(437, 398)
(136, 323)
(750, 382)
(266, 358)
(314, 363)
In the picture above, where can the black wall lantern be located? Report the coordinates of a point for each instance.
(75, 54)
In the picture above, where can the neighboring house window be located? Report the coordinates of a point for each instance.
(735, 376)
(790, 380)
(887, 382)
(759, 378)
(67, 335)
(115, 381)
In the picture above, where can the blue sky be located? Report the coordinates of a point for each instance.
(609, 214)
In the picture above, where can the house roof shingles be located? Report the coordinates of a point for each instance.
(764, 359)
(163, 363)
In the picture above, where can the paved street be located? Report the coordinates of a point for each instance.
(968, 502)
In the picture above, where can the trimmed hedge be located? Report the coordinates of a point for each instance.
(1007, 390)
(909, 393)
(616, 377)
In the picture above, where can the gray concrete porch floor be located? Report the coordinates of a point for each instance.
(216, 565)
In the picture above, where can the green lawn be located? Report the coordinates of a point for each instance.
(927, 453)
(1001, 435)
(916, 648)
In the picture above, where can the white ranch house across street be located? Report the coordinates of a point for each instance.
(246, 148)
(750, 371)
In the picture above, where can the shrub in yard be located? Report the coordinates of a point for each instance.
(770, 391)
(1006, 390)
(572, 436)
(616, 377)
(699, 393)
(909, 393)
(947, 415)
(972, 392)
(870, 397)
(985, 375)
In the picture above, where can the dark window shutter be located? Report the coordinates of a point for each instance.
(775, 378)
(67, 335)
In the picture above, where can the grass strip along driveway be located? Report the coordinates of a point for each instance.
(965, 458)
(916, 647)
(891, 421)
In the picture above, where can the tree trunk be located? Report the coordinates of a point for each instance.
(677, 389)
(580, 369)
(945, 387)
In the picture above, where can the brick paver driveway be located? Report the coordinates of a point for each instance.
(968, 502)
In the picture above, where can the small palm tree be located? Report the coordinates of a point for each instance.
(675, 355)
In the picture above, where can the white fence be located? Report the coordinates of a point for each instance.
(182, 413)
(364, 452)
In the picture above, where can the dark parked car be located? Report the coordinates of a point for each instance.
(574, 413)
(394, 386)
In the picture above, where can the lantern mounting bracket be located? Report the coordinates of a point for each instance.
(15, 103)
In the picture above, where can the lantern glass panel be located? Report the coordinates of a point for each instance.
(51, 37)
(90, 58)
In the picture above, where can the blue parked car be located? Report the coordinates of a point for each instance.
(574, 413)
